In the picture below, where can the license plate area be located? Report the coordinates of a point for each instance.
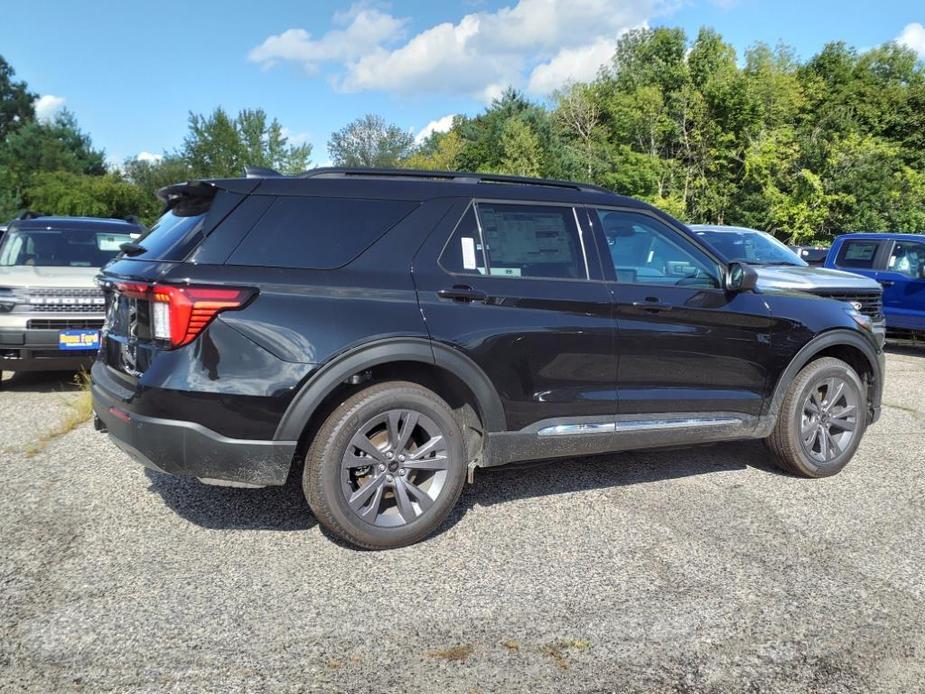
(72, 340)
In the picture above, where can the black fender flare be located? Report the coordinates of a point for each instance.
(340, 368)
(823, 341)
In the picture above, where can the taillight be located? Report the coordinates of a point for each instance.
(180, 313)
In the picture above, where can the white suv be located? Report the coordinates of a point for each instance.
(51, 310)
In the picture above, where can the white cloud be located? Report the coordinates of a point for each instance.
(440, 125)
(294, 138)
(149, 156)
(47, 106)
(913, 36)
(572, 65)
(538, 43)
(362, 29)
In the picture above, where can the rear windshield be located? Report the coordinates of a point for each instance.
(170, 231)
(59, 248)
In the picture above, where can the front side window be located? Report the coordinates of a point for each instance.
(859, 254)
(59, 247)
(908, 258)
(531, 241)
(646, 251)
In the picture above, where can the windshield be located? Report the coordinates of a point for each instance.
(59, 248)
(753, 247)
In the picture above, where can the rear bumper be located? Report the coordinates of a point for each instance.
(189, 449)
(37, 350)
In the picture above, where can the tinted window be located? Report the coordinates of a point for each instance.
(317, 233)
(170, 232)
(463, 253)
(531, 241)
(857, 254)
(908, 258)
(645, 251)
(60, 248)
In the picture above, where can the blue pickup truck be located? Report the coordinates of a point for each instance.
(897, 262)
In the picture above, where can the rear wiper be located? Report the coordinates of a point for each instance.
(131, 248)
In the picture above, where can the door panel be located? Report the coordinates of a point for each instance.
(547, 343)
(903, 283)
(683, 344)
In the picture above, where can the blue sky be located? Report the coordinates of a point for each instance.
(131, 71)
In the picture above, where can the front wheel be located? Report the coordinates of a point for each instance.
(386, 467)
(821, 420)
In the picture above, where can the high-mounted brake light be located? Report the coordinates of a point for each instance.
(180, 313)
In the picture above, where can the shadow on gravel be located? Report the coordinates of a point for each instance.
(230, 508)
(907, 348)
(285, 508)
(549, 477)
(41, 382)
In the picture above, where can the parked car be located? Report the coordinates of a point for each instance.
(812, 255)
(897, 262)
(778, 267)
(51, 309)
(398, 329)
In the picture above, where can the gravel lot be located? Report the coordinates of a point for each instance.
(698, 570)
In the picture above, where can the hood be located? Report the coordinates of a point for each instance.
(48, 277)
(810, 278)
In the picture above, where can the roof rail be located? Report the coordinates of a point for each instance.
(259, 172)
(29, 214)
(454, 176)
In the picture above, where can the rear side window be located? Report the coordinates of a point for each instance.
(317, 233)
(531, 241)
(860, 254)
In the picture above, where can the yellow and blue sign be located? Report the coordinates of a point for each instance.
(79, 339)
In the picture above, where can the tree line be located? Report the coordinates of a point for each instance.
(803, 149)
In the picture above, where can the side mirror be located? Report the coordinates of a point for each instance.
(740, 277)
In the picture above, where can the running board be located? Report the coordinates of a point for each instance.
(560, 438)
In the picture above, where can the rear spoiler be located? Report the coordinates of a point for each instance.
(197, 193)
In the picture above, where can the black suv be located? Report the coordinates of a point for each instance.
(397, 329)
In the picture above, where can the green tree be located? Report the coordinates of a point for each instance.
(520, 149)
(440, 152)
(219, 146)
(370, 141)
(108, 195)
(15, 101)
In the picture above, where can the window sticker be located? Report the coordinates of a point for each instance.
(468, 253)
(111, 242)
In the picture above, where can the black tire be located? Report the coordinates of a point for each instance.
(825, 455)
(396, 515)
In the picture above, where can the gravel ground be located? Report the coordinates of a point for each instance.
(698, 570)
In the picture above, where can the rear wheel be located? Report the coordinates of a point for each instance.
(821, 420)
(386, 467)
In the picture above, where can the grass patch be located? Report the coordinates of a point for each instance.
(456, 654)
(558, 650)
(80, 409)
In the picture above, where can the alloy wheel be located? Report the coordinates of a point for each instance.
(394, 468)
(829, 418)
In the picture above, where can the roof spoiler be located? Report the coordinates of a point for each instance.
(260, 172)
(192, 197)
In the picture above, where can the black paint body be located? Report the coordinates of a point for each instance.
(529, 351)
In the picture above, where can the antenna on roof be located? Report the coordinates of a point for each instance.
(260, 172)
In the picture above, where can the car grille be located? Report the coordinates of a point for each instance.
(871, 302)
(64, 324)
(65, 300)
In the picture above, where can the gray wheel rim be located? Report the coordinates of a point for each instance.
(829, 419)
(394, 468)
